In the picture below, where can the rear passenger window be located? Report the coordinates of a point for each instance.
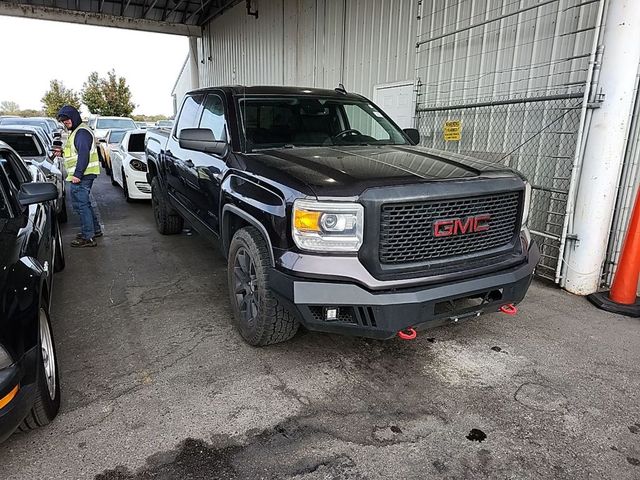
(213, 117)
(189, 114)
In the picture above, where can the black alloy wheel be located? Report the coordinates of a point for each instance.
(246, 287)
(58, 251)
(258, 315)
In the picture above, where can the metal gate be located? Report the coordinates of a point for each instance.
(511, 81)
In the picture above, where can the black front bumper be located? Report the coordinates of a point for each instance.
(23, 374)
(382, 314)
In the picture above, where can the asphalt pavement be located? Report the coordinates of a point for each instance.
(157, 384)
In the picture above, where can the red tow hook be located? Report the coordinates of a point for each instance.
(509, 309)
(408, 334)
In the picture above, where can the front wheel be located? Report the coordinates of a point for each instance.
(62, 216)
(258, 315)
(58, 251)
(47, 399)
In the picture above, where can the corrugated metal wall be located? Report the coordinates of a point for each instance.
(514, 73)
(236, 48)
(312, 43)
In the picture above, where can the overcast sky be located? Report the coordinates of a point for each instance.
(36, 51)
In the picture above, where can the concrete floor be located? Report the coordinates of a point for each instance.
(157, 384)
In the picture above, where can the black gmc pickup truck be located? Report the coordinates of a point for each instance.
(332, 218)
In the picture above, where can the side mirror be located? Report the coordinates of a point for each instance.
(102, 140)
(201, 140)
(413, 134)
(37, 192)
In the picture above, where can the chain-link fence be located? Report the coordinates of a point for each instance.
(538, 138)
(505, 81)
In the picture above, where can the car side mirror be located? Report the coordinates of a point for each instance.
(201, 140)
(37, 192)
(102, 140)
(413, 134)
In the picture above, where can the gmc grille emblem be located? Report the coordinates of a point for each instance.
(461, 226)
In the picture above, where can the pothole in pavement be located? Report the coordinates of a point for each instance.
(540, 397)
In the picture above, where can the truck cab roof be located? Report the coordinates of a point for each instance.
(238, 90)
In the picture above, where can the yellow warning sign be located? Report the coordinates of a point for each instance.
(452, 130)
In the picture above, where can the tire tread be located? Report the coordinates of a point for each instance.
(278, 324)
(167, 221)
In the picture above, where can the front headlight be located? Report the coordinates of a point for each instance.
(527, 203)
(138, 165)
(5, 358)
(327, 226)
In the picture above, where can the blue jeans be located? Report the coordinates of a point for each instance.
(81, 203)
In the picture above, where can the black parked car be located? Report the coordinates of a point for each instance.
(30, 251)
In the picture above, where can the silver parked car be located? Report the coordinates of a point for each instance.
(29, 143)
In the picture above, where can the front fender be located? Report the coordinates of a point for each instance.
(25, 282)
(257, 204)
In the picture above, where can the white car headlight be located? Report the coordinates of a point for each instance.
(527, 203)
(327, 226)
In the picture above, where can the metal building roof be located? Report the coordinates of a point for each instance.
(180, 17)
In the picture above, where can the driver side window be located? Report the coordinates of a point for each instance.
(364, 123)
(189, 114)
(213, 117)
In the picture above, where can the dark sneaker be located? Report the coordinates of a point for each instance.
(95, 235)
(81, 242)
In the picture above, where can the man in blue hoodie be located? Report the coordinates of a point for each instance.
(81, 162)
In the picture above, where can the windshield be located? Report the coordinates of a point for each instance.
(116, 136)
(308, 121)
(53, 124)
(25, 144)
(107, 123)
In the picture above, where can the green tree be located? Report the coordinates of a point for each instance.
(57, 96)
(93, 94)
(9, 108)
(107, 96)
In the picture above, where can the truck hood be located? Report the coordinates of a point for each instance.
(349, 171)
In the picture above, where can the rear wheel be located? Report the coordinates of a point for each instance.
(47, 399)
(258, 315)
(168, 222)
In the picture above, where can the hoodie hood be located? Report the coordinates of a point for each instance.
(73, 114)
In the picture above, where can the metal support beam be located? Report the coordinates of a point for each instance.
(605, 147)
(124, 6)
(225, 4)
(193, 63)
(202, 6)
(175, 8)
(93, 18)
(149, 8)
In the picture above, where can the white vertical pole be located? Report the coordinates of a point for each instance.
(605, 147)
(193, 62)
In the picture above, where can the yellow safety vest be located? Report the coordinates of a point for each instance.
(71, 155)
